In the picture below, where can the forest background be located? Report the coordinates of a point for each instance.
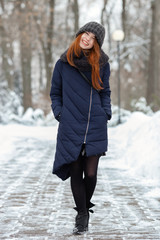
(33, 34)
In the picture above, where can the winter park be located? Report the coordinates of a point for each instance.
(43, 119)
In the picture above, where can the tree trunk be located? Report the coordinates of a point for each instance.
(26, 56)
(153, 83)
(7, 55)
(105, 18)
(2, 4)
(103, 11)
(26, 74)
(124, 16)
(48, 51)
(76, 15)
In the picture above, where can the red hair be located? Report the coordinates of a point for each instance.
(92, 55)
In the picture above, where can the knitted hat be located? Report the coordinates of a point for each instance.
(94, 28)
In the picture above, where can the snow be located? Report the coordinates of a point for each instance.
(10, 133)
(139, 142)
(127, 67)
(23, 5)
(141, 105)
(114, 65)
(16, 130)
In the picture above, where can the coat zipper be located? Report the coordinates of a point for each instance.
(89, 114)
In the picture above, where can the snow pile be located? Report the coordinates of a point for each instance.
(12, 111)
(10, 104)
(137, 105)
(139, 143)
(124, 116)
(141, 105)
(33, 118)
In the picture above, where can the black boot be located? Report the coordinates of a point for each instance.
(82, 220)
(81, 223)
(89, 210)
(89, 206)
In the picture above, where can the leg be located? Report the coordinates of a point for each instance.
(77, 184)
(79, 194)
(90, 171)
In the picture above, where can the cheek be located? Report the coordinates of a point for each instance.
(92, 42)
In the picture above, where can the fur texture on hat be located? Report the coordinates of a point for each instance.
(95, 28)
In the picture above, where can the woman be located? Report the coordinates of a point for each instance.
(80, 95)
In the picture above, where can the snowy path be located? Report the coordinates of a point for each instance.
(34, 204)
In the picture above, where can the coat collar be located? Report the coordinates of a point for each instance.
(82, 63)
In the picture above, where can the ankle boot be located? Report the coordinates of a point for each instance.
(81, 223)
(82, 219)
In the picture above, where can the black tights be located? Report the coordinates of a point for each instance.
(83, 186)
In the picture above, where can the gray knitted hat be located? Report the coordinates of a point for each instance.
(94, 28)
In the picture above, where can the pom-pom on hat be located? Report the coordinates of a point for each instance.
(95, 28)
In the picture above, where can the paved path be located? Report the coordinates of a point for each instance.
(36, 205)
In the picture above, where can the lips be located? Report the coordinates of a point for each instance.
(85, 42)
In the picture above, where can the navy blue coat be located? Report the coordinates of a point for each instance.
(83, 115)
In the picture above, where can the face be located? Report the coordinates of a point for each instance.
(87, 40)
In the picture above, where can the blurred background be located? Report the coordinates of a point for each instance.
(33, 34)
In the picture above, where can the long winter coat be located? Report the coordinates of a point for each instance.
(83, 113)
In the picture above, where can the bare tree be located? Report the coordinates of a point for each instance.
(76, 15)
(25, 52)
(103, 12)
(34, 33)
(72, 13)
(153, 83)
(45, 39)
(105, 20)
(6, 49)
(124, 16)
(2, 4)
(48, 52)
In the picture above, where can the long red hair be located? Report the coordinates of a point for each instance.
(92, 55)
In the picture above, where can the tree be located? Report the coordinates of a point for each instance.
(76, 15)
(25, 51)
(105, 18)
(153, 83)
(45, 39)
(6, 49)
(124, 16)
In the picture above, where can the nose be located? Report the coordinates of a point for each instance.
(87, 37)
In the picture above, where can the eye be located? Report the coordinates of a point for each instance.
(89, 34)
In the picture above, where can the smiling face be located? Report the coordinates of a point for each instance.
(87, 40)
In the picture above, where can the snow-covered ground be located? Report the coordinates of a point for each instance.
(36, 205)
(138, 137)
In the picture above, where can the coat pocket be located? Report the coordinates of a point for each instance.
(104, 113)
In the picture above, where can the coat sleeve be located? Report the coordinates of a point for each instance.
(106, 92)
(56, 90)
